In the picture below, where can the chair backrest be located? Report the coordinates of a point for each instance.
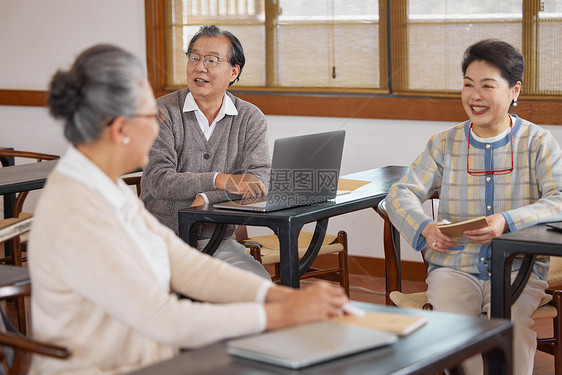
(391, 245)
(10, 230)
(20, 198)
(134, 181)
(14, 228)
(13, 360)
(555, 272)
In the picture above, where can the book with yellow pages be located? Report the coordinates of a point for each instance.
(400, 324)
(458, 228)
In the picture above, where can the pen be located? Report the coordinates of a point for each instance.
(353, 310)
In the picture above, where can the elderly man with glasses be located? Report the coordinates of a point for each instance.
(212, 146)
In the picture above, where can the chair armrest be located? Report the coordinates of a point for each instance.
(28, 154)
(10, 291)
(15, 227)
(29, 345)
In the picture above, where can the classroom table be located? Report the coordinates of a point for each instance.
(12, 277)
(9, 199)
(18, 178)
(25, 177)
(443, 342)
(529, 242)
(287, 223)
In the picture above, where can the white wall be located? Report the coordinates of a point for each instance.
(39, 37)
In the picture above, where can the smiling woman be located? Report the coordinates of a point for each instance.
(495, 165)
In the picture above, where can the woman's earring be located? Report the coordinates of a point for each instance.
(514, 102)
(126, 140)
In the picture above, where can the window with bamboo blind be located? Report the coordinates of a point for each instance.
(438, 31)
(395, 59)
(288, 44)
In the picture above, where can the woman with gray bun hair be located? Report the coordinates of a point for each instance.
(100, 86)
(105, 272)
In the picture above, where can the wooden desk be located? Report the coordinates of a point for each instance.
(445, 341)
(9, 199)
(25, 177)
(287, 223)
(530, 242)
(12, 277)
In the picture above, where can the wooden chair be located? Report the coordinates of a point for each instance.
(7, 233)
(550, 307)
(265, 249)
(18, 244)
(134, 181)
(14, 346)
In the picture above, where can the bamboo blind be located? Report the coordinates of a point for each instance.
(399, 49)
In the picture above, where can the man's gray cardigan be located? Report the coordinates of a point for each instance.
(183, 163)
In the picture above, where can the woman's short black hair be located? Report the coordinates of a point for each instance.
(497, 53)
(236, 54)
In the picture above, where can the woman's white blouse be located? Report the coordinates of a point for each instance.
(124, 203)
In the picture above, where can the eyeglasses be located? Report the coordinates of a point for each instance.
(157, 116)
(496, 172)
(209, 61)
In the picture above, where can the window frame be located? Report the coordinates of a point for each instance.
(322, 103)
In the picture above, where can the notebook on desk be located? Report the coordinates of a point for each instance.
(304, 170)
(309, 344)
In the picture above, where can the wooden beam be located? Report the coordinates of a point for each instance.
(542, 112)
(23, 98)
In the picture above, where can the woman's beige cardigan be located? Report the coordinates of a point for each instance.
(93, 293)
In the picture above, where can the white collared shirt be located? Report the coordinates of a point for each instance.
(494, 138)
(125, 206)
(227, 108)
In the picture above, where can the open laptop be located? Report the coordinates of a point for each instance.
(304, 170)
(309, 344)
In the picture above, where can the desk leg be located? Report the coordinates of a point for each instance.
(500, 298)
(188, 233)
(289, 254)
(314, 246)
(9, 200)
(500, 359)
(216, 239)
(522, 277)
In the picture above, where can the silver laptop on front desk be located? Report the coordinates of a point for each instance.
(309, 344)
(304, 170)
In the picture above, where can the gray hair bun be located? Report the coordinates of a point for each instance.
(103, 83)
(65, 95)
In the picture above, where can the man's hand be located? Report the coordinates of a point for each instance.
(199, 201)
(496, 227)
(246, 185)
